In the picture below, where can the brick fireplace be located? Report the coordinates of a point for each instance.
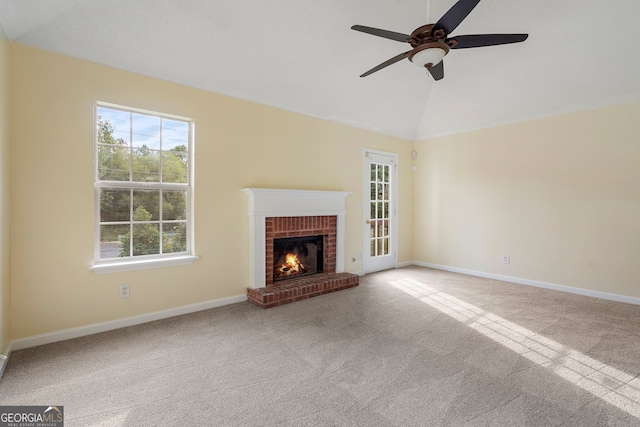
(281, 215)
(300, 226)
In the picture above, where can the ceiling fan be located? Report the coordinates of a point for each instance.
(431, 42)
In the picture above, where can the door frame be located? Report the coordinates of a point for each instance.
(366, 189)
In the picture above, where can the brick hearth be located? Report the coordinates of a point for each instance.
(301, 288)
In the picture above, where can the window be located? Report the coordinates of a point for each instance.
(143, 170)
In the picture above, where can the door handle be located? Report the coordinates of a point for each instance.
(368, 221)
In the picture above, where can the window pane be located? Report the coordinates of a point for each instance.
(174, 205)
(380, 213)
(373, 172)
(111, 241)
(146, 239)
(372, 232)
(373, 248)
(373, 210)
(386, 192)
(386, 210)
(385, 245)
(146, 205)
(380, 228)
(174, 167)
(385, 228)
(386, 173)
(174, 237)
(113, 163)
(115, 205)
(114, 126)
(145, 131)
(175, 135)
(146, 165)
(380, 192)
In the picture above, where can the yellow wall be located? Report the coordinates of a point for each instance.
(560, 195)
(238, 144)
(5, 259)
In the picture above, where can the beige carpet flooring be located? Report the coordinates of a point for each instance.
(408, 347)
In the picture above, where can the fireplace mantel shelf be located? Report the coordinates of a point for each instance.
(274, 202)
(269, 202)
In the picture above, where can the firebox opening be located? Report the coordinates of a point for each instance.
(297, 256)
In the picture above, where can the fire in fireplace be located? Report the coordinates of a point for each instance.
(297, 256)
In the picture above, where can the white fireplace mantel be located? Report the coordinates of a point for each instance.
(268, 202)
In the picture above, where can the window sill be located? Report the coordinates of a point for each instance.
(118, 267)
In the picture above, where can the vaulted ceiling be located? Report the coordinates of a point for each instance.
(302, 55)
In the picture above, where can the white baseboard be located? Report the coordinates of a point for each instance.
(95, 328)
(536, 283)
(3, 361)
(398, 265)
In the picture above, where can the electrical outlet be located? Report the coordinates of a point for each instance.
(124, 291)
(506, 259)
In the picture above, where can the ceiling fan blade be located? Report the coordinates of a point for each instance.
(386, 63)
(437, 71)
(454, 16)
(479, 40)
(382, 33)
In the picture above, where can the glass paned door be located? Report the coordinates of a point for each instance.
(380, 178)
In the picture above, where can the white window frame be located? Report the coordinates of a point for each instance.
(140, 262)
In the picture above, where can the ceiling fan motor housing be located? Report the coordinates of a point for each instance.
(429, 46)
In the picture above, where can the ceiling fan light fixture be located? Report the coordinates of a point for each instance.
(429, 54)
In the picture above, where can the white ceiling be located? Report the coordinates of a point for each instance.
(302, 55)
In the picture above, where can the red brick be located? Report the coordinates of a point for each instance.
(301, 288)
